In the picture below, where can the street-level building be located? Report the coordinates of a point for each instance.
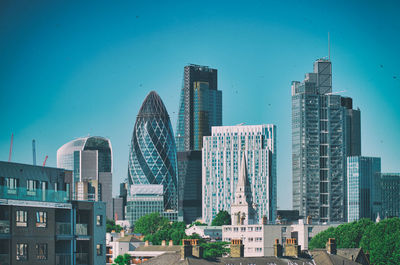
(39, 224)
(212, 233)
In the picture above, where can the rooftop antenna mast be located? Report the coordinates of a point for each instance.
(329, 48)
(34, 152)
(11, 146)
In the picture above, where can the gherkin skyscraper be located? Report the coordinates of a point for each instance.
(152, 156)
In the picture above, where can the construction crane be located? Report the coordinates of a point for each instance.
(44, 163)
(34, 152)
(11, 145)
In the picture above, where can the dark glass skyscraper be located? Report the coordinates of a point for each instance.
(200, 108)
(152, 157)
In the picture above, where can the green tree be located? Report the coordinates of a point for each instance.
(382, 241)
(110, 226)
(197, 223)
(150, 224)
(215, 249)
(319, 240)
(222, 218)
(122, 260)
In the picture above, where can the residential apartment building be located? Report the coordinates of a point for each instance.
(39, 224)
(221, 160)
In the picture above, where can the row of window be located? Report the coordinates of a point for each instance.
(243, 229)
(21, 218)
(22, 251)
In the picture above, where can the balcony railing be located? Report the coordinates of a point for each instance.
(63, 259)
(63, 228)
(81, 229)
(82, 258)
(4, 259)
(33, 195)
(4, 227)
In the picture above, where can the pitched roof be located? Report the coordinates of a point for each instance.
(321, 256)
(175, 248)
(128, 238)
(349, 253)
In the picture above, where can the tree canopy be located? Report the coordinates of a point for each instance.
(110, 226)
(381, 240)
(222, 218)
(122, 260)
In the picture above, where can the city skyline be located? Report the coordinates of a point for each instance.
(70, 83)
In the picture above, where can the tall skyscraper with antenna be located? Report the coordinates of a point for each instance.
(325, 130)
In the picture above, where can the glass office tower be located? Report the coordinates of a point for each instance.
(152, 156)
(90, 159)
(200, 107)
(325, 130)
(363, 195)
(390, 185)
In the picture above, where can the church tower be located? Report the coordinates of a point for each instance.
(242, 211)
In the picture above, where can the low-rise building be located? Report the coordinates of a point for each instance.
(259, 239)
(212, 233)
(39, 224)
(120, 244)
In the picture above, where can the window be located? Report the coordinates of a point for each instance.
(21, 218)
(41, 251)
(12, 184)
(99, 249)
(41, 219)
(31, 186)
(283, 229)
(22, 251)
(99, 220)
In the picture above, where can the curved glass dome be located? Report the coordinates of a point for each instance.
(152, 156)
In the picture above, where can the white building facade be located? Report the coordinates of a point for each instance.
(259, 239)
(221, 161)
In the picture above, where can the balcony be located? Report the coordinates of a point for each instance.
(63, 228)
(63, 259)
(82, 258)
(4, 227)
(33, 195)
(81, 229)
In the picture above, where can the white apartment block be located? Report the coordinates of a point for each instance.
(221, 159)
(259, 239)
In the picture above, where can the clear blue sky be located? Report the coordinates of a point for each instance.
(73, 68)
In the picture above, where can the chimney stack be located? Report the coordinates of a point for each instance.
(309, 220)
(277, 249)
(146, 243)
(186, 249)
(237, 248)
(197, 250)
(264, 220)
(331, 246)
(163, 243)
(291, 248)
(171, 243)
